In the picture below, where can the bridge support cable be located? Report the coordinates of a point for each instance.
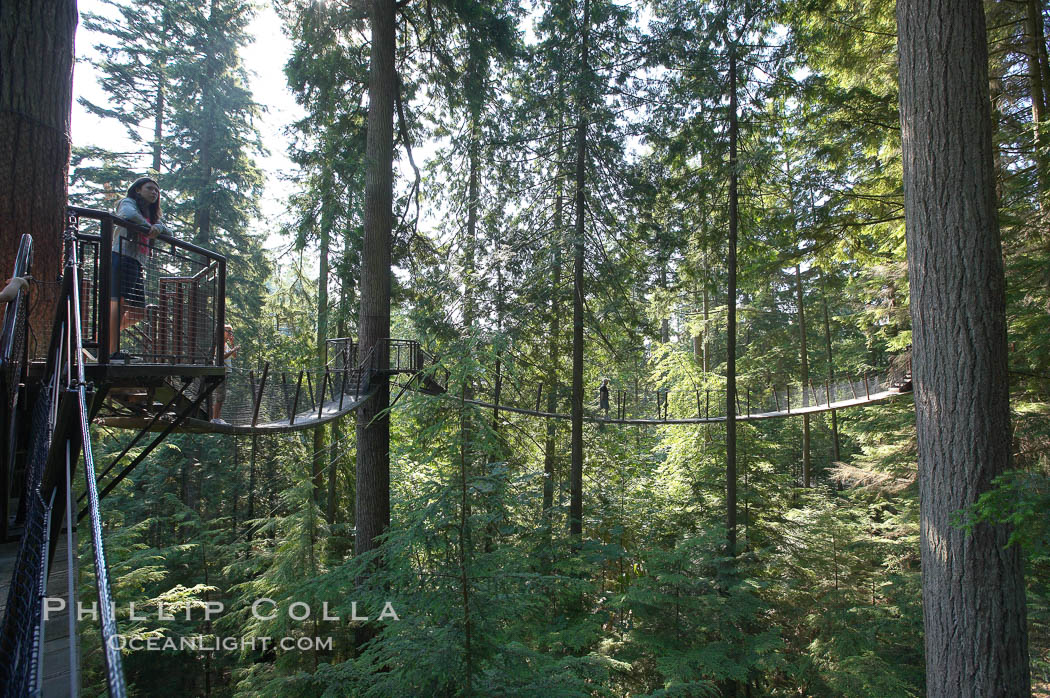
(767, 403)
(107, 618)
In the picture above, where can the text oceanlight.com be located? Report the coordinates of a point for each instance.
(213, 643)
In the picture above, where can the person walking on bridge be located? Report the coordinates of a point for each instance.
(603, 397)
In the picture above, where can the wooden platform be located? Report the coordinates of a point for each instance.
(60, 676)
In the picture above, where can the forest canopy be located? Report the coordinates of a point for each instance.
(702, 204)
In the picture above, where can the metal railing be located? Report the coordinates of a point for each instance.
(13, 366)
(172, 306)
(644, 400)
(59, 433)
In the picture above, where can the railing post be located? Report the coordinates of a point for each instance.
(105, 252)
(787, 389)
(867, 393)
(220, 315)
(827, 391)
(295, 402)
(320, 399)
(258, 396)
(342, 389)
(749, 403)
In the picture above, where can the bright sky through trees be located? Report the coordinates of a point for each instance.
(264, 58)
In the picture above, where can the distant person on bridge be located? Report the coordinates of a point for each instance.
(229, 351)
(603, 397)
(131, 250)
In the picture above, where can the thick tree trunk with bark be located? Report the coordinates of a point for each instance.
(373, 424)
(36, 87)
(576, 440)
(973, 585)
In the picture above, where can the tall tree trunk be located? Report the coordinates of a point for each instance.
(158, 124)
(665, 323)
(320, 452)
(804, 358)
(707, 316)
(36, 52)
(831, 370)
(973, 585)
(731, 315)
(202, 205)
(373, 424)
(576, 441)
(1037, 92)
(550, 446)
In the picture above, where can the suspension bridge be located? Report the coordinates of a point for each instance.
(163, 373)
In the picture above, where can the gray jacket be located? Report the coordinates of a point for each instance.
(132, 243)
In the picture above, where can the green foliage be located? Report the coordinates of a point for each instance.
(493, 598)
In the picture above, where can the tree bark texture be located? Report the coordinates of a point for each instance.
(973, 587)
(36, 93)
(373, 424)
(576, 439)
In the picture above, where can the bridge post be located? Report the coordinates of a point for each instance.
(342, 389)
(320, 395)
(827, 390)
(787, 389)
(867, 393)
(295, 402)
(105, 274)
(258, 396)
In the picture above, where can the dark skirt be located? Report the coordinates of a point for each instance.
(127, 281)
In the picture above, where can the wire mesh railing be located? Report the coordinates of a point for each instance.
(13, 367)
(20, 633)
(639, 400)
(156, 303)
(62, 392)
(266, 396)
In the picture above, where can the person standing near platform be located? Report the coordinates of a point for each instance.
(131, 251)
(229, 351)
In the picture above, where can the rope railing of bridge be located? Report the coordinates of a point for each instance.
(266, 399)
(642, 402)
(59, 434)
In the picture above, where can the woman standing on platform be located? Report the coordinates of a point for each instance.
(131, 251)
